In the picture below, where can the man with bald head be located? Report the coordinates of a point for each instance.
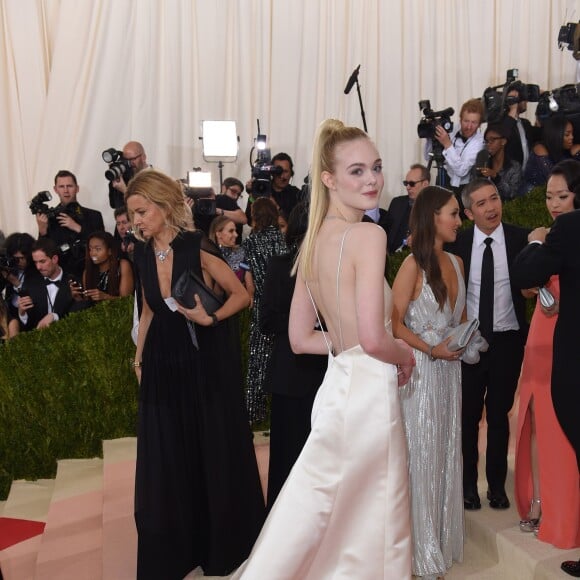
(134, 153)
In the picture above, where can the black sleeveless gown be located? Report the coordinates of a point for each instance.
(198, 500)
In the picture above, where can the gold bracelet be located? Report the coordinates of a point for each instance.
(137, 364)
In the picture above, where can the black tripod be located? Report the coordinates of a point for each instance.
(436, 155)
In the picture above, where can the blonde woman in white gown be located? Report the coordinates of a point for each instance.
(344, 510)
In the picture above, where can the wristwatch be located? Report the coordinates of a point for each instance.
(214, 319)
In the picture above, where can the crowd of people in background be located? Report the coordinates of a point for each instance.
(246, 257)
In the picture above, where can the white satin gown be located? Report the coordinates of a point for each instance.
(344, 512)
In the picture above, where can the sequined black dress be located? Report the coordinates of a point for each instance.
(259, 247)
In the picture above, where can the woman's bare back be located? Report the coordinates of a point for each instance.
(339, 253)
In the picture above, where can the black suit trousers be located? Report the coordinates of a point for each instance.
(491, 382)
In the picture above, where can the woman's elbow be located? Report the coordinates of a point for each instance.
(372, 344)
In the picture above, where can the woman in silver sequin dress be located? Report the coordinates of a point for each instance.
(429, 299)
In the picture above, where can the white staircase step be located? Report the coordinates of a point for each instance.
(27, 500)
(72, 539)
(119, 533)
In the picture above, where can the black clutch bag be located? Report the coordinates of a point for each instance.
(189, 284)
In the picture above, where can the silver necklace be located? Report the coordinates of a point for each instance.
(162, 254)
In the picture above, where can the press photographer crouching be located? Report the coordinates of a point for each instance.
(68, 224)
(47, 297)
(16, 268)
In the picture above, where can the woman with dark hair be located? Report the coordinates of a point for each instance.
(198, 500)
(557, 144)
(18, 248)
(292, 379)
(429, 300)
(106, 276)
(505, 173)
(547, 490)
(265, 241)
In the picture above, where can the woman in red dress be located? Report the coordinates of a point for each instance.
(546, 473)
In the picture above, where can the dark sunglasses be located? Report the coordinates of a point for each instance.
(412, 183)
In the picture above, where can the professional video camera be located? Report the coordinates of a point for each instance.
(569, 37)
(433, 119)
(563, 100)
(38, 205)
(262, 173)
(496, 102)
(198, 187)
(262, 169)
(118, 165)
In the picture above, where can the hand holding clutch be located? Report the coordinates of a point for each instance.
(467, 336)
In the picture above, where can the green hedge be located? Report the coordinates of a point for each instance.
(64, 389)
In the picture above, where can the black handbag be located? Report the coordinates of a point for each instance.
(189, 284)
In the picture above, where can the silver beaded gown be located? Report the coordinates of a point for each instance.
(431, 405)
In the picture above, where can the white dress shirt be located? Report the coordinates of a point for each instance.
(504, 314)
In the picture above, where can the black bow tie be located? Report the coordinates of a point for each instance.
(460, 136)
(48, 281)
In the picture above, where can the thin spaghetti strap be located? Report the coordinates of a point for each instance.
(328, 344)
(338, 287)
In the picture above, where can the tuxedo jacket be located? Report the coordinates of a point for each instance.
(559, 255)
(293, 375)
(397, 222)
(513, 148)
(516, 238)
(37, 290)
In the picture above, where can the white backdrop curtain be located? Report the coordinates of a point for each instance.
(79, 76)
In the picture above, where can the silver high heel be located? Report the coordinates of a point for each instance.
(531, 524)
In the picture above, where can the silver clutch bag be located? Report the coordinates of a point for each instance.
(546, 298)
(461, 334)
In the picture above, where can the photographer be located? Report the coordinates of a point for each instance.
(47, 298)
(227, 204)
(71, 223)
(16, 268)
(124, 233)
(285, 195)
(520, 133)
(460, 148)
(134, 154)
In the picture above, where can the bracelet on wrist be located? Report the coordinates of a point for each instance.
(214, 319)
(430, 353)
(137, 364)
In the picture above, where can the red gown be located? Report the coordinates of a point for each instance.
(559, 482)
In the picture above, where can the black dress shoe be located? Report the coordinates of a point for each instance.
(471, 500)
(571, 567)
(498, 501)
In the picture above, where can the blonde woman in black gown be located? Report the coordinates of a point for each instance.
(198, 500)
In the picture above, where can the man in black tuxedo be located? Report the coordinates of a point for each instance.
(47, 298)
(397, 218)
(491, 382)
(71, 227)
(551, 253)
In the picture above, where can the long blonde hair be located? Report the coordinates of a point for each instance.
(166, 194)
(329, 134)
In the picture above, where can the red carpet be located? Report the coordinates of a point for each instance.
(13, 531)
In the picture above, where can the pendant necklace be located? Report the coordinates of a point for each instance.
(162, 254)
